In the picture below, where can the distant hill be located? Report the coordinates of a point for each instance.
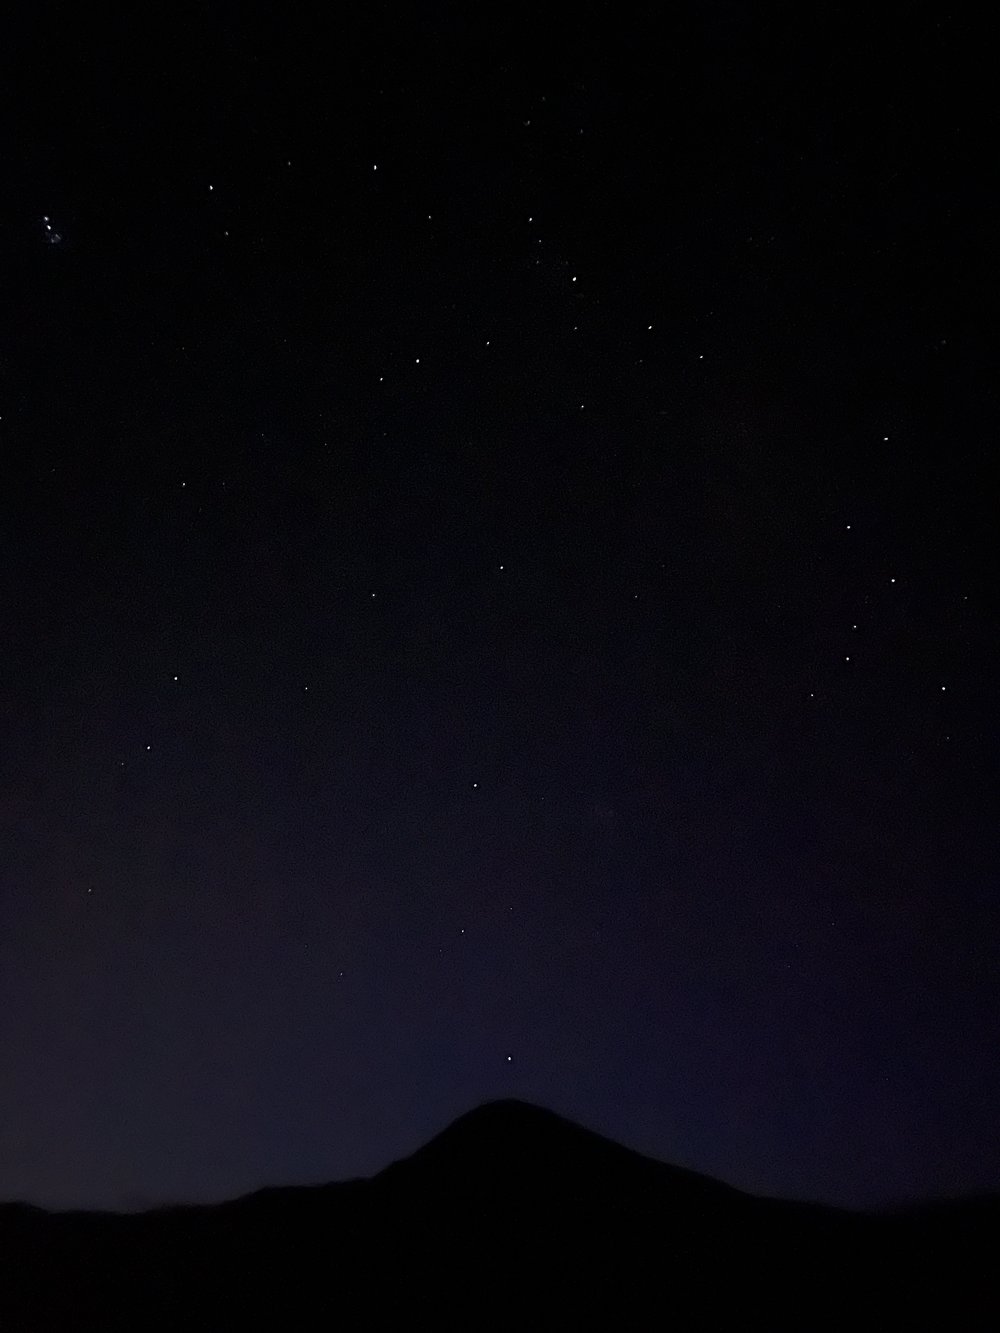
(512, 1217)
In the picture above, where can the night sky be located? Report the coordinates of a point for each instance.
(498, 574)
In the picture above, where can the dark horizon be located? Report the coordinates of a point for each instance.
(510, 1212)
(512, 1124)
(498, 587)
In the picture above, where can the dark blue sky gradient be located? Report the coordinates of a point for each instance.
(498, 595)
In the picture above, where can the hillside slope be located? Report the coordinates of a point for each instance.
(511, 1214)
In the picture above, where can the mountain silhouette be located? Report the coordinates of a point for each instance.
(512, 1214)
